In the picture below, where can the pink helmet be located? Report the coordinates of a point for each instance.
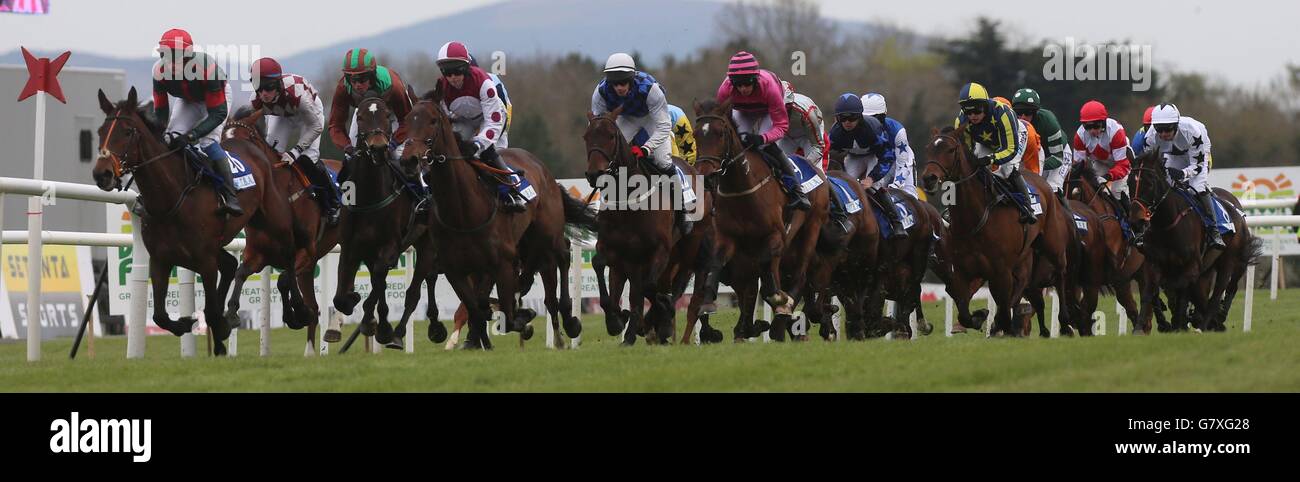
(743, 63)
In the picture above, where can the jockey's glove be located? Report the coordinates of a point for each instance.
(1176, 174)
(641, 152)
(175, 140)
(983, 161)
(349, 152)
(751, 139)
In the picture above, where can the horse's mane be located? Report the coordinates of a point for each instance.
(245, 112)
(145, 112)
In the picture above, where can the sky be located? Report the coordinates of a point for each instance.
(1245, 42)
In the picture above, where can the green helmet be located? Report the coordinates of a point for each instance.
(1026, 97)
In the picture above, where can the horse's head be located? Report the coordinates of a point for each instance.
(1078, 184)
(605, 144)
(246, 125)
(948, 159)
(374, 127)
(1148, 188)
(716, 142)
(429, 139)
(127, 137)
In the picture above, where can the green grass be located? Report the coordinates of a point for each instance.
(1263, 360)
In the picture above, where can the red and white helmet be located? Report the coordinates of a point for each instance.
(266, 70)
(176, 39)
(453, 52)
(1093, 111)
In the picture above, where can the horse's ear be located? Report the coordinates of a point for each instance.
(590, 116)
(410, 93)
(699, 109)
(613, 114)
(131, 97)
(436, 95)
(934, 132)
(724, 108)
(104, 104)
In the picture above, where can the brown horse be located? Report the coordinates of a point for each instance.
(1122, 263)
(481, 245)
(986, 239)
(845, 265)
(180, 226)
(1170, 234)
(379, 227)
(902, 267)
(637, 238)
(314, 236)
(754, 232)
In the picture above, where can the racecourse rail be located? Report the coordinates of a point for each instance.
(139, 280)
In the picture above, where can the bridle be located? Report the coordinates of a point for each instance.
(724, 164)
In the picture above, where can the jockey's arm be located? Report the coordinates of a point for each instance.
(1119, 152)
(494, 117)
(313, 117)
(598, 106)
(1052, 138)
(658, 105)
(1080, 150)
(214, 99)
(904, 157)
(774, 96)
(161, 108)
(340, 108)
(1007, 128)
(399, 102)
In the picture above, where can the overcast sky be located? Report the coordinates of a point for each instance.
(1246, 42)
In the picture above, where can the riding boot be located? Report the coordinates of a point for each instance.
(510, 195)
(891, 213)
(324, 189)
(1121, 212)
(1018, 183)
(1211, 231)
(230, 199)
(679, 211)
(778, 159)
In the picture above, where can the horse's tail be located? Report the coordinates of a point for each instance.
(1254, 249)
(579, 219)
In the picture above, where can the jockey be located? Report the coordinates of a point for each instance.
(989, 125)
(1031, 160)
(191, 97)
(501, 92)
(1139, 143)
(1102, 144)
(807, 135)
(645, 121)
(758, 109)
(868, 154)
(478, 113)
(1056, 158)
(294, 111)
(683, 134)
(1185, 143)
(873, 105)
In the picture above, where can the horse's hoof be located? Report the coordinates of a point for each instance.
(708, 308)
(232, 318)
(437, 332)
(710, 335)
(573, 327)
(526, 333)
(760, 326)
(396, 343)
(219, 349)
(368, 328)
(1044, 334)
(925, 327)
(346, 303)
(613, 325)
(333, 336)
(384, 333)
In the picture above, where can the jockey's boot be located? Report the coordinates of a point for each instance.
(1121, 212)
(895, 222)
(324, 189)
(1211, 231)
(512, 200)
(230, 199)
(776, 158)
(1018, 183)
(679, 211)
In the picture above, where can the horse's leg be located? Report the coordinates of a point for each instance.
(723, 251)
(215, 278)
(1227, 293)
(746, 288)
(1199, 289)
(549, 284)
(1149, 295)
(423, 266)
(159, 277)
(305, 269)
(1124, 294)
(345, 299)
(287, 300)
(773, 295)
(1003, 287)
(437, 332)
(1035, 298)
(474, 307)
(507, 291)
(1087, 308)
(253, 263)
(616, 318)
(636, 302)
(379, 293)
(572, 324)
(659, 291)
(368, 325)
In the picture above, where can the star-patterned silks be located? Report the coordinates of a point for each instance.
(1197, 141)
(687, 147)
(986, 136)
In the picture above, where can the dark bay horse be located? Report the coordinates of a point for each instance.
(638, 239)
(315, 238)
(180, 226)
(1171, 235)
(755, 235)
(845, 266)
(986, 240)
(480, 244)
(379, 226)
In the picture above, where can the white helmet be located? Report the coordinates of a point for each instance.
(1165, 114)
(620, 65)
(873, 104)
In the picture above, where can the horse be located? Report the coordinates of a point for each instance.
(481, 245)
(754, 231)
(845, 265)
(987, 234)
(379, 227)
(169, 187)
(637, 237)
(1170, 235)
